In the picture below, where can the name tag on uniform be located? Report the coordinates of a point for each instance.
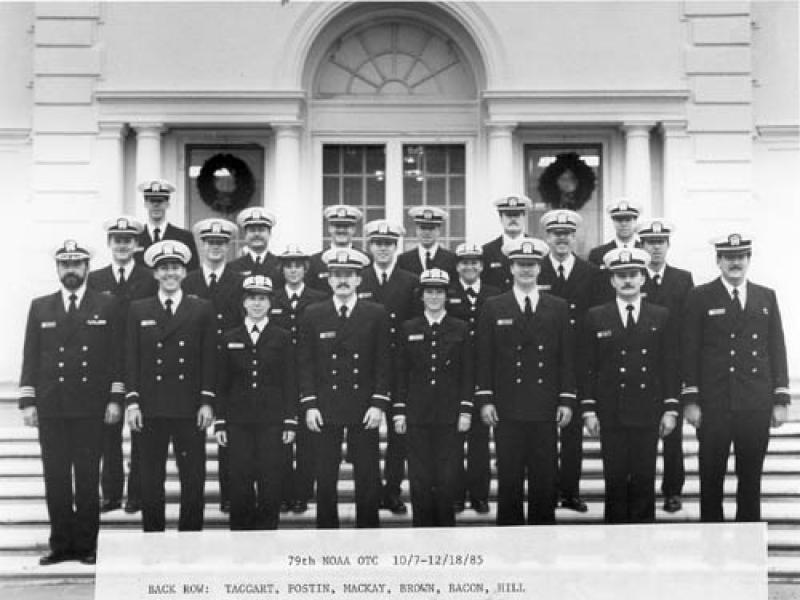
(96, 322)
(713, 312)
(147, 323)
(643, 295)
(454, 300)
(416, 337)
(235, 345)
(505, 321)
(276, 311)
(323, 275)
(245, 273)
(362, 295)
(765, 310)
(327, 335)
(48, 324)
(545, 287)
(604, 334)
(495, 265)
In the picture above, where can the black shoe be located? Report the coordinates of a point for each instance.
(53, 558)
(90, 558)
(133, 506)
(109, 505)
(225, 506)
(458, 506)
(394, 505)
(480, 506)
(284, 506)
(299, 507)
(574, 503)
(672, 504)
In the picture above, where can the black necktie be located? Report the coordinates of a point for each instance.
(629, 322)
(73, 304)
(561, 273)
(257, 260)
(343, 312)
(168, 306)
(736, 305)
(383, 278)
(434, 329)
(121, 276)
(528, 308)
(472, 293)
(212, 282)
(428, 259)
(657, 279)
(254, 334)
(157, 234)
(294, 300)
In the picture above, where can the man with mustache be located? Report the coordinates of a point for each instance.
(341, 221)
(735, 377)
(256, 222)
(630, 387)
(513, 212)
(343, 375)
(70, 386)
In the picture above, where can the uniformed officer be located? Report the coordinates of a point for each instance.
(513, 211)
(735, 377)
(222, 285)
(387, 284)
(624, 214)
(126, 281)
(667, 286)
(69, 387)
(465, 300)
(256, 222)
(432, 406)
(343, 364)
(575, 280)
(157, 193)
(341, 220)
(428, 254)
(256, 408)
(631, 387)
(288, 305)
(526, 385)
(169, 379)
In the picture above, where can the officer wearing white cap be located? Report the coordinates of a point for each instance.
(513, 211)
(432, 405)
(126, 280)
(169, 379)
(666, 286)
(287, 308)
(631, 386)
(256, 223)
(70, 385)
(624, 213)
(428, 254)
(341, 221)
(157, 194)
(343, 372)
(222, 285)
(576, 281)
(465, 300)
(735, 377)
(525, 384)
(256, 408)
(386, 283)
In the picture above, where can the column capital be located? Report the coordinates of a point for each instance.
(633, 128)
(151, 129)
(501, 127)
(287, 128)
(675, 128)
(111, 130)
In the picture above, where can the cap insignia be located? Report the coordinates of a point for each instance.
(657, 227)
(625, 256)
(734, 239)
(70, 245)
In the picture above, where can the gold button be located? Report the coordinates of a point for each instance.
(755, 336)
(519, 363)
(159, 361)
(355, 371)
(159, 345)
(61, 379)
(755, 370)
(255, 373)
(433, 369)
(433, 343)
(732, 369)
(644, 369)
(433, 382)
(61, 349)
(355, 386)
(84, 364)
(541, 364)
(255, 362)
(519, 380)
(61, 365)
(254, 385)
(181, 343)
(733, 352)
(85, 348)
(84, 379)
(219, 315)
(180, 376)
(644, 350)
(333, 357)
(622, 369)
(333, 372)
(540, 381)
(643, 386)
(333, 387)
(158, 377)
(355, 355)
(622, 352)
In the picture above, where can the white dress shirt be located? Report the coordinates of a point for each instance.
(79, 293)
(568, 263)
(350, 304)
(520, 296)
(742, 291)
(622, 306)
(176, 299)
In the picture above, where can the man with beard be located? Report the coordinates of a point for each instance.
(513, 211)
(342, 220)
(667, 286)
(735, 377)
(157, 193)
(525, 385)
(343, 375)
(70, 387)
(170, 355)
(428, 254)
(222, 285)
(256, 222)
(126, 281)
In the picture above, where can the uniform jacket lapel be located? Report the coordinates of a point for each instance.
(170, 324)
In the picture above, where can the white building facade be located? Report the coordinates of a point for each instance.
(690, 108)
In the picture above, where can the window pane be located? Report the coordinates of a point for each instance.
(376, 191)
(353, 160)
(353, 190)
(330, 159)
(436, 159)
(435, 188)
(376, 160)
(412, 191)
(456, 223)
(457, 189)
(330, 190)
(457, 163)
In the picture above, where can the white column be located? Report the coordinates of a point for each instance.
(286, 202)
(501, 157)
(148, 157)
(676, 156)
(110, 165)
(637, 164)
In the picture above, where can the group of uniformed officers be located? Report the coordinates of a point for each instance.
(288, 355)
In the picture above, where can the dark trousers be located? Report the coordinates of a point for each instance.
(72, 445)
(256, 459)
(674, 471)
(298, 467)
(362, 451)
(474, 480)
(224, 474)
(571, 455)
(433, 451)
(135, 472)
(749, 432)
(394, 470)
(189, 444)
(629, 471)
(112, 475)
(526, 449)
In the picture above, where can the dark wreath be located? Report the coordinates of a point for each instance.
(548, 182)
(243, 184)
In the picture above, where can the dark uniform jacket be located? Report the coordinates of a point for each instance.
(435, 372)
(246, 266)
(597, 253)
(169, 366)
(731, 363)
(171, 232)
(443, 259)
(317, 275)
(71, 365)
(525, 369)
(631, 377)
(343, 368)
(459, 306)
(281, 312)
(398, 296)
(670, 293)
(226, 298)
(256, 384)
(579, 289)
(140, 284)
(496, 266)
